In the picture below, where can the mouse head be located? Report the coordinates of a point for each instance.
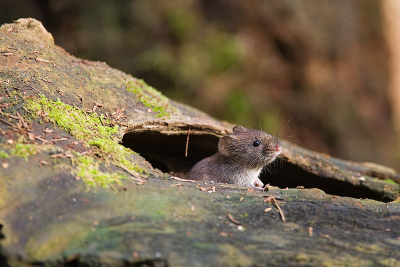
(251, 147)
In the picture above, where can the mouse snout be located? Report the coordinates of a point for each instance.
(278, 147)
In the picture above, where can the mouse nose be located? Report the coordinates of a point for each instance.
(278, 147)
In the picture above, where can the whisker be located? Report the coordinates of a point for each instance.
(268, 170)
(285, 126)
(290, 136)
(289, 126)
(276, 119)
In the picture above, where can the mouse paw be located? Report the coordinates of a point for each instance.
(258, 183)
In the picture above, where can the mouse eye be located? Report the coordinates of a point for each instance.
(256, 143)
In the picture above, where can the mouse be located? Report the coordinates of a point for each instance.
(240, 158)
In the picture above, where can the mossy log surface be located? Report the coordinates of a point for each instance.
(86, 156)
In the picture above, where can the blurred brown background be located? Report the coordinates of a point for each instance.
(328, 65)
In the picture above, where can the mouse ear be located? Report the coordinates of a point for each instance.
(238, 129)
(225, 144)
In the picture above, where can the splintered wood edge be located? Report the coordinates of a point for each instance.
(178, 128)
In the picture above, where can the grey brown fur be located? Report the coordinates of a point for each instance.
(239, 160)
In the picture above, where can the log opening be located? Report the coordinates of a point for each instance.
(166, 152)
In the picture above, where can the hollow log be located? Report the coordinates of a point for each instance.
(92, 173)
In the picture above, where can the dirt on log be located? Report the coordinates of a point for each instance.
(87, 154)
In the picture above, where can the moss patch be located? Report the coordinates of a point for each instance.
(92, 130)
(3, 154)
(151, 98)
(88, 168)
(22, 149)
(390, 181)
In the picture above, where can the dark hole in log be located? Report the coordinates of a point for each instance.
(285, 175)
(167, 153)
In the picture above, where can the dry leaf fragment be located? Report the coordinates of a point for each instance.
(60, 155)
(177, 184)
(68, 155)
(223, 234)
(141, 182)
(31, 136)
(4, 165)
(43, 162)
(42, 60)
(183, 180)
(267, 209)
(310, 231)
(233, 220)
(326, 236)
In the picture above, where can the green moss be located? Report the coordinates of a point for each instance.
(81, 125)
(24, 150)
(88, 168)
(3, 154)
(92, 130)
(21, 149)
(389, 181)
(151, 98)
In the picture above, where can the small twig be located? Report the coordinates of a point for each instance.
(35, 89)
(40, 139)
(78, 95)
(59, 139)
(183, 180)
(101, 121)
(8, 123)
(233, 220)
(42, 60)
(22, 120)
(132, 173)
(280, 211)
(277, 205)
(187, 143)
(8, 91)
(121, 123)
